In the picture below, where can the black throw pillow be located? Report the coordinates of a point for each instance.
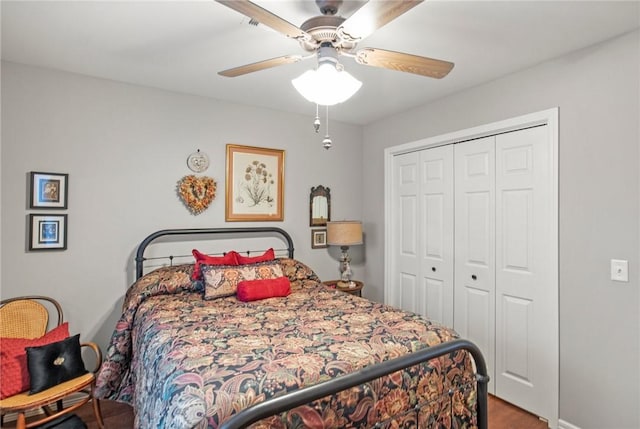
(54, 363)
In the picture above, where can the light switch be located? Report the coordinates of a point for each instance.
(619, 270)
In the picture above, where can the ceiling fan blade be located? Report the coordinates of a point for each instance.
(261, 65)
(403, 62)
(265, 17)
(373, 15)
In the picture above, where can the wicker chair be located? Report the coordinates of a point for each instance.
(28, 317)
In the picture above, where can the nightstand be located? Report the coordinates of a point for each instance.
(357, 290)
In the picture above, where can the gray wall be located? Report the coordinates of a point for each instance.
(125, 147)
(597, 91)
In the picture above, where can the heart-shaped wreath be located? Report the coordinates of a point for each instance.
(197, 192)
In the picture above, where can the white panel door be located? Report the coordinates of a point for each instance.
(436, 239)
(474, 316)
(505, 266)
(526, 298)
(405, 290)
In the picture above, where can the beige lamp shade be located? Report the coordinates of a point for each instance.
(344, 233)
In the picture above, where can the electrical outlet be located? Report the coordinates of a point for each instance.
(619, 270)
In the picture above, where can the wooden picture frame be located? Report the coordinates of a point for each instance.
(48, 190)
(319, 238)
(47, 232)
(255, 184)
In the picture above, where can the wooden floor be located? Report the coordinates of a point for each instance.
(502, 415)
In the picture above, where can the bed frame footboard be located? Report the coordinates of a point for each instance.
(306, 395)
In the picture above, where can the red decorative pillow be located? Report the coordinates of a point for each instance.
(14, 372)
(253, 290)
(269, 255)
(230, 258)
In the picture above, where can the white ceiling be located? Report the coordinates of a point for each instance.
(181, 45)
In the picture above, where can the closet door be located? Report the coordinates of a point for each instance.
(474, 316)
(526, 296)
(436, 240)
(422, 238)
(404, 218)
(505, 249)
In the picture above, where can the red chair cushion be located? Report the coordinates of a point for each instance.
(14, 372)
(253, 290)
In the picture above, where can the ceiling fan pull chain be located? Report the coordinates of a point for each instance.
(316, 122)
(326, 143)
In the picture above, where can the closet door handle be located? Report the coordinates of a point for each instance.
(433, 269)
(474, 277)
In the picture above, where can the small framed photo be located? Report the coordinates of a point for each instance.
(48, 190)
(47, 232)
(319, 238)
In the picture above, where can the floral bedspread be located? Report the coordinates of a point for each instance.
(185, 362)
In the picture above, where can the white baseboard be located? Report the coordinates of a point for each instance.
(566, 425)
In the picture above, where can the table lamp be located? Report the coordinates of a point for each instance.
(344, 234)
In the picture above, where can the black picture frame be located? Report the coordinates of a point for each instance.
(48, 190)
(319, 238)
(47, 232)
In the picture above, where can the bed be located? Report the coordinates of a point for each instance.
(316, 358)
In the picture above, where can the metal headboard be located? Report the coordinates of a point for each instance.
(208, 231)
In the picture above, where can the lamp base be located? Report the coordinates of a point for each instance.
(346, 285)
(345, 265)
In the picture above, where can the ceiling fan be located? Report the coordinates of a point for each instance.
(328, 35)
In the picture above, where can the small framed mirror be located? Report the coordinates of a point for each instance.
(319, 206)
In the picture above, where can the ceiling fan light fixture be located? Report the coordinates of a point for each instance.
(327, 85)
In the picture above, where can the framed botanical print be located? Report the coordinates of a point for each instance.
(48, 190)
(47, 231)
(255, 184)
